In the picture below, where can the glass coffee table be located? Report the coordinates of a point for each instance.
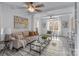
(38, 46)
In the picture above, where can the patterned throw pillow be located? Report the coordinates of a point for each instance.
(26, 34)
(20, 37)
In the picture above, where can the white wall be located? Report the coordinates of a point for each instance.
(65, 18)
(1, 15)
(0, 20)
(40, 16)
(8, 17)
(77, 48)
(7, 14)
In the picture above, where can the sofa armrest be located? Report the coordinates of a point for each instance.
(1, 46)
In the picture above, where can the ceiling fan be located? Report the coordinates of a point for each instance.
(32, 7)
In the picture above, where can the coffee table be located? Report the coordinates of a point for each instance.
(37, 46)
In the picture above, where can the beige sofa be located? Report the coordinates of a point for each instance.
(21, 39)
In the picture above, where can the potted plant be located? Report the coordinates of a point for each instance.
(49, 32)
(44, 36)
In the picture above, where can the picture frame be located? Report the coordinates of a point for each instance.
(20, 22)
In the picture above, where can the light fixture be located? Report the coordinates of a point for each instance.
(31, 9)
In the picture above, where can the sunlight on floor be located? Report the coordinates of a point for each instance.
(56, 38)
(55, 47)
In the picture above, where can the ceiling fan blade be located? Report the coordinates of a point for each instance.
(28, 3)
(39, 5)
(22, 7)
(38, 10)
(33, 5)
(31, 2)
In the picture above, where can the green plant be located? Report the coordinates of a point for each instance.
(49, 32)
(44, 36)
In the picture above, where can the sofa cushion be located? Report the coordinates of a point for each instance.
(20, 37)
(11, 37)
(31, 33)
(26, 33)
(14, 35)
(2, 46)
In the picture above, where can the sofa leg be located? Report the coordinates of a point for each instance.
(16, 49)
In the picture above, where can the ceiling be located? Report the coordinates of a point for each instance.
(47, 5)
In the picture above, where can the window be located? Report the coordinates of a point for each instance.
(54, 25)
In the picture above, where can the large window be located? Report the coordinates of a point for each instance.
(54, 25)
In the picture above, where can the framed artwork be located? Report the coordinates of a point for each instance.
(20, 22)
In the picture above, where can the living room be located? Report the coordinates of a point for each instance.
(20, 28)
